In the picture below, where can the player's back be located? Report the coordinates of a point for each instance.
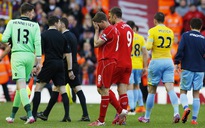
(193, 51)
(53, 44)
(125, 44)
(162, 38)
(24, 34)
(137, 58)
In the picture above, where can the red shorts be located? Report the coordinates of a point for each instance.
(105, 71)
(121, 75)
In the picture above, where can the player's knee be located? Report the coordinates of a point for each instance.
(56, 89)
(77, 88)
(62, 89)
(39, 86)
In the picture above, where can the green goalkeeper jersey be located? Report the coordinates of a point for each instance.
(25, 35)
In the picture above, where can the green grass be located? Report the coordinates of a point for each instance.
(161, 117)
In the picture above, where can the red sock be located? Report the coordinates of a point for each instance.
(103, 108)
(114, 102)
(124, 101)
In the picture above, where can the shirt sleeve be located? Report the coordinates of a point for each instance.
(67, 48)
(150, 40)
(180, 50)
(7, 32)
(37, 41)
(104, 36)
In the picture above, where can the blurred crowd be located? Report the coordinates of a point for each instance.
(80, 12)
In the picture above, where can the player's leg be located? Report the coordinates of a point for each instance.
(130, 95)
(16, 105)
(21, 69)
(168, 79)
(37, 97)
(198, 84)
(138, 93)
(185, 85)
(54, 97)
(104, 81)
(65, 104)
(122, 89)
(154, 77)
(78, 90)
(104, 92)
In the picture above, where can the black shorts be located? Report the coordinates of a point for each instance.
(76, 81)
(52, 70)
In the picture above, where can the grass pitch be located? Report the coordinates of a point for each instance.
(161, 117)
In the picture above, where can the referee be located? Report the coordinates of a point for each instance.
(71, 75)
(55, 48)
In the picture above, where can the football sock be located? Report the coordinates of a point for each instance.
(196, 106)
(16, 104)
(82, 99)
(130, 95)
(174, 100)
(25, 101)
(36, 102)
(65, 104)
(51, 103)
(184, 101)
(103, 108)
(124, 101)
(140, 98)
(149, 105)
(114, 102)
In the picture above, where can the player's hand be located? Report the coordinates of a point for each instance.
(176, 68)
(38, 68)
(95, 25)
(71, 75)
(144, 71)
(33, 72)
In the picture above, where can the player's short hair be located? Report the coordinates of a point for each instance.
(99, 16)
(116, 11)
(26, 7)
(52, 20)
(131, 23)
(159, 16)
(65, 21)
(196, 23)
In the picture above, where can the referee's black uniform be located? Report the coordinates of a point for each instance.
(72, 44)
(54, 46)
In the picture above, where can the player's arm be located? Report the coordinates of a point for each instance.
(38, 49)
(68, 56)
(150, 40)
(145, 59)
(7, 33)
(37, 42)
(144, 56)
(97, 41)
(180, 53)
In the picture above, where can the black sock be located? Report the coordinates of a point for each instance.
(65, 104)
(82, 99)
(51, 103)
(36, 102)
(73, 96)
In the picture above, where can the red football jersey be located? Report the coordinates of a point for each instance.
(109, 50)
(125, 45)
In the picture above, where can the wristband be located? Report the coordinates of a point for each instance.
(69, 70)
